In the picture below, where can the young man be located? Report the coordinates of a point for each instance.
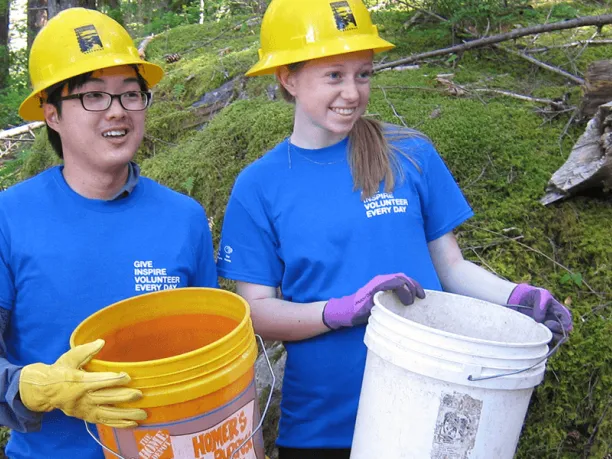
(76, 237)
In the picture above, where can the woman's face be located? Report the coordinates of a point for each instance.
(330, 94)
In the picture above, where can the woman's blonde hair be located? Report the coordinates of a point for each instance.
(372, 157)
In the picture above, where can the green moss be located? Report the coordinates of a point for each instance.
(191, 39)
(40, 158)
(189, 80)
(212, 158)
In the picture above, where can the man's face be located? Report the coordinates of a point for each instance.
(99, 141)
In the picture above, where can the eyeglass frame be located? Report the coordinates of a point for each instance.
(80, 95)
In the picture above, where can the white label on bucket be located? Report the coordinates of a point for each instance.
(456, 426)
(220, 441)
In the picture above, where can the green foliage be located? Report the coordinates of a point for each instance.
(10, 99)
(4, 438)
(41, 157)
(477, 13)
(15, 90)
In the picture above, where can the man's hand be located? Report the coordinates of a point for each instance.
(90, 396)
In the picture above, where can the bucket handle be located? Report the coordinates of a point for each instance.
(548, 354)
(263, 416)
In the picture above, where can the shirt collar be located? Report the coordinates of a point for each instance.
(130, 184)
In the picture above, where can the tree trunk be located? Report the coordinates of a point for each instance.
(55, 6)
(37, 18)
(4, 42)
(597, 88)
(589, 164)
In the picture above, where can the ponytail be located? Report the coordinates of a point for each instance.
(372, 156)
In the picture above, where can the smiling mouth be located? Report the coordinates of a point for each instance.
(343, 111)
(116, 133)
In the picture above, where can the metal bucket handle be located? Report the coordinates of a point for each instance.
(548, 354)
(263, 416)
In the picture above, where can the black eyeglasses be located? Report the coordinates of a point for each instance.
(99, 101)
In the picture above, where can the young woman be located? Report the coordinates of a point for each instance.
(343, 208)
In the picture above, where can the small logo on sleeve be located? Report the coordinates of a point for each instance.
(226, 254)
(88, 38)
(343, 15)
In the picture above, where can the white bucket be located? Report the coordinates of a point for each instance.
(431, 387)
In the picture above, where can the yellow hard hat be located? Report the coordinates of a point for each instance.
(299, 30)
(77, 41)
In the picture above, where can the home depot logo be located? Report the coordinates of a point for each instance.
(343, 15)
(154, 444)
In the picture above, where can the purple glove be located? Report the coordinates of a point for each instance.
(543, 308)
(355, 309)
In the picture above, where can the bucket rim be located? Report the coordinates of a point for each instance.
(240, 328)
(386, 311)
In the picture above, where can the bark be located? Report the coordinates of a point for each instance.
(598, 21)
(589, 164)
(597, 89)
(37, 18)
(16, 131)
(4, 32)
(55, 6)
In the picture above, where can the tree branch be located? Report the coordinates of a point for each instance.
(541, 64)
(598, 21)
(568, 45)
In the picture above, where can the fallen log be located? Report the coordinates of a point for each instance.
(20, 130)
(589, 165)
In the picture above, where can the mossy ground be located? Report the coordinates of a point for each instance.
(502, 152)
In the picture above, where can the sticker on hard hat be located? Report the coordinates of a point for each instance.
(343, 15)
(89, 40)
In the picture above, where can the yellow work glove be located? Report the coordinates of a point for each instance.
(85, 395)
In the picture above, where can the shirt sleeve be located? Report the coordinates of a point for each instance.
(13, 413)
(249, 247)
(206, 271)
(444, 205)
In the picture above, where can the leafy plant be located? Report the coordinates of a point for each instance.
(188, 185)
(569, 278)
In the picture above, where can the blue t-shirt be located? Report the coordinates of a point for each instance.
(293, 220)
(64, 257)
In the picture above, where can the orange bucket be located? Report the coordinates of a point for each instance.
(191, 351)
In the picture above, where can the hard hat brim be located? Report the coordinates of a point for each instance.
(31, 108)
(268, 64)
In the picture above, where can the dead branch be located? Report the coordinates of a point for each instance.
(20, 130)
(598, 21)
(568, 45)
(397, 115)
(552, 103)
(541, 64)
(143, 45)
